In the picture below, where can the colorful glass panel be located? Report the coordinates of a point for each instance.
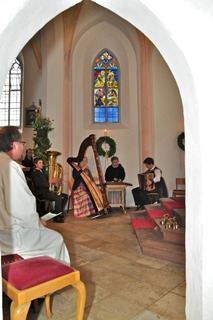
(106, 88)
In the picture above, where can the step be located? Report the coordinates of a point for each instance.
(176, 236)
(180, 213)
(154, 206)
(152, 244)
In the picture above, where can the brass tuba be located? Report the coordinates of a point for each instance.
(55, 170)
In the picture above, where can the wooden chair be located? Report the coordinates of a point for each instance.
(43, 206)
(180, 188)
(29, 279)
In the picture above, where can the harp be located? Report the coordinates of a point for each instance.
(98, 194)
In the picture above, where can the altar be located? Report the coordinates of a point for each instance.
(116, 194)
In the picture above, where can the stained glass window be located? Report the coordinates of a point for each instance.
(10, 100)
(106, 88)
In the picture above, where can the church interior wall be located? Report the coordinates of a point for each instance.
(166, 102)
(54, 79)
(125, 132)
(167, 121)
(32, 88)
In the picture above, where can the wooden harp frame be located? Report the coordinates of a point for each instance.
(98, 194)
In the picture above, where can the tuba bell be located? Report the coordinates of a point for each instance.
(55, 170)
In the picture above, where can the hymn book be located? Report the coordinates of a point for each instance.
(50, 215)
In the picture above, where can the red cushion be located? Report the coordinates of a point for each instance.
(30, 272)
(10, 258)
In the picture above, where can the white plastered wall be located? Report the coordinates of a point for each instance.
(84, 53)
(167, 121)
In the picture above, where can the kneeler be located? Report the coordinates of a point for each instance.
(29, 279)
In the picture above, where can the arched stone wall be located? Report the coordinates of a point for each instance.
(184, 46)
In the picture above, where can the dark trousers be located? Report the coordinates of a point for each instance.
(60, 200)
(140, 197)
(136, 195)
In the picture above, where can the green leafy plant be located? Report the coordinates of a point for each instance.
(41, 127)
(110, 142)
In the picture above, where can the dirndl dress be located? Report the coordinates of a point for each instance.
(82, 203)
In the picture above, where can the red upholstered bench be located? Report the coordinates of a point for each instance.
(28, 279)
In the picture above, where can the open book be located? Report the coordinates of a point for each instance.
(50, 215)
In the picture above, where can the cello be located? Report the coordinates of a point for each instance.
(98, 194)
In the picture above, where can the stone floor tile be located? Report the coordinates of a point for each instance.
(142, 293)
(171, 306)
(181, 289)
(121, 282)
(114, 308)
(149, 315)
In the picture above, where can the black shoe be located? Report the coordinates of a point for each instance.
(138, 207)
(59, 219)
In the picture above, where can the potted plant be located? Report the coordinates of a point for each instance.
(41, 126)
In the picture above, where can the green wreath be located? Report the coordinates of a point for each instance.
(110, 142)
(180, 141)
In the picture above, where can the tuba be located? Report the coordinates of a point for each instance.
(55, 170)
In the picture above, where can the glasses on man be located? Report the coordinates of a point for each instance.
(23, 142)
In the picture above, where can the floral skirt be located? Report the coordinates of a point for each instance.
(82, 203)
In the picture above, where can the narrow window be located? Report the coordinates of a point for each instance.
(10, 101)
(106, 88)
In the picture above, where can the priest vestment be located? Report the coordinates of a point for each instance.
(21, 231)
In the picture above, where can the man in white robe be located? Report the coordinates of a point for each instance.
(21, 230)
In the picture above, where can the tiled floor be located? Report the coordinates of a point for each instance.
(121, 283)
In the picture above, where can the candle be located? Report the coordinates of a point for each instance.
(105, 132)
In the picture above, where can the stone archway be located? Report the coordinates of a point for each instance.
(169, 37)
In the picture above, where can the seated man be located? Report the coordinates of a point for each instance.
(41, 189)
(115, 172)
(154, 183)
(21, 230)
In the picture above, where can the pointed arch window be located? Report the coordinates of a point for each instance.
(11, 98)
(106, 88)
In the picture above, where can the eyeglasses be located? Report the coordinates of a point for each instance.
(23, 142)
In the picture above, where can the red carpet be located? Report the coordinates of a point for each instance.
(154, 214)
(179, 199)
(169, 205)
(143, 224)
(179, 202)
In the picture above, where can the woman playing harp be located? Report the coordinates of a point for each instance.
(82, 202)
(98, 194)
